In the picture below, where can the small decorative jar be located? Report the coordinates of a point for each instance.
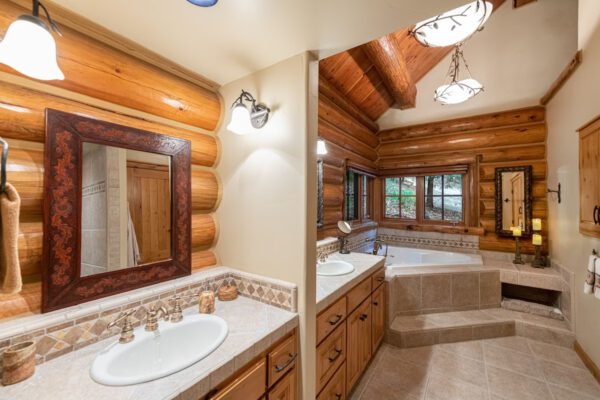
(206, 302)
(18, 363)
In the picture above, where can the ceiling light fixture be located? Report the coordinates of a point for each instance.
(458, 91)
(454, 26)
(243, 119)
(321, 147)
(204, 3)
(29, 46)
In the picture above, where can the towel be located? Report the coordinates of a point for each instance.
(133, 249)
(10, 270)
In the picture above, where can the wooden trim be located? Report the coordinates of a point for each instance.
(590, 124)
(521, 3)
(442, 170)
(562, 78)
(460, 230)
(587, 361)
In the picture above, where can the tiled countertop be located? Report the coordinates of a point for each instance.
(330, 288)
(253, 328)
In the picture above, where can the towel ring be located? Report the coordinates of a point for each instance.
(3, 165)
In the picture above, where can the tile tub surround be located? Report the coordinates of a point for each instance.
(64, 331)
(429, 240)
(253, 328)
(331, 288)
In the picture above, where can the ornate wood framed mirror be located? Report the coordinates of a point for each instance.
(117, 209)
(514, 199)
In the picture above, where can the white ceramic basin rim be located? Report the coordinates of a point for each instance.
(334, 268)
(154, 355)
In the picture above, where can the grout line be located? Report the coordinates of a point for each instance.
(485, 370)
(539, 365)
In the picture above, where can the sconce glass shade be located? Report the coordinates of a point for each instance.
(204, 3)
(240, 123)
(321, 147)
(458, 92)
(453, 26)
(29, 48)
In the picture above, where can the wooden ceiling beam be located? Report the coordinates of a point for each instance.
(562, 78)
(388, 58)
(521, 3)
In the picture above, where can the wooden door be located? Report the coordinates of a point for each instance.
(518, 199)
(149, 197)
(378, 319)
(589, 179)
(286, 388)
(358, 345)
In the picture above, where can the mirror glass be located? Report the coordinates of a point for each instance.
(344, 227)
(125, 209)
(513, 200)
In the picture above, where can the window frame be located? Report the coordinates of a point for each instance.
(360, 178)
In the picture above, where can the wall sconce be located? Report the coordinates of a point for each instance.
(244, 120)
(558, 192)
(29, 47)
(321, 147)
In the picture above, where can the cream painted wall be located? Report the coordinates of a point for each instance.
(268, 209)
(589, 20)
(577, 103)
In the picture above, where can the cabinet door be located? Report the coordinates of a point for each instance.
(358, 346)
(250, 385)
(589, 181)
(286, 388)
(378, 319)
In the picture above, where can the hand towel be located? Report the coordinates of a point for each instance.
(10, 270)
(590, 279)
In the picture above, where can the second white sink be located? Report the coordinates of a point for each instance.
(334, 268)
(153, 355)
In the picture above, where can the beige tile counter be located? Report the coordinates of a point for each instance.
(331, 288)
(253, 327)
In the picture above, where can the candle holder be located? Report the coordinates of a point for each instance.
(518, 259)
(539, 261)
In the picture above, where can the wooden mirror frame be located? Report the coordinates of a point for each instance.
(528, 174)
(62, 284)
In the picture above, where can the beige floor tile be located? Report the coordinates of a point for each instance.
(366, 378)
(510, 342)
(454, 366)
(440, 387)
(544, 321)
(566, 394)
(402, 379)
(512, 386)
(472, 349)
(416, 355)
(381, 392)
(575, 379)
(502, 314)
(445, 320)
(557, 354)
(477, 316)
(412, 322)
(512, 360)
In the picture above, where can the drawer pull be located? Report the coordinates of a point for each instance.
(596, 215)
(337, 319)
(337, 355)
(364, 317)
(279, 368)
(380, 279)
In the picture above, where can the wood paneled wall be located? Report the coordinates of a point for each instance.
(510, 138)
(136, 84)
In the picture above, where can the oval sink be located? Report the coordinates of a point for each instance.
(154, 355)
(334, 268)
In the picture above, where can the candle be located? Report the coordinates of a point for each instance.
(537, 224)
(517, 231)
(537, 239)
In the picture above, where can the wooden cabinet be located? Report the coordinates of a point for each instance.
(330, 355)
(250, 385)
(282, 359)
(286, 388)
(358, 342)
(336, 388)
(330, 319)
(589, 178)
(357, 295)
(378, 317)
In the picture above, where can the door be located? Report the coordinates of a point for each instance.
(286, 389)
(358, 342)
(589, 179)
(378, 319)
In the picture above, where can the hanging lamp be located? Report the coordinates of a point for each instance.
(458, 90)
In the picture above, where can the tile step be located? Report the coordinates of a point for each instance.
(458, 326)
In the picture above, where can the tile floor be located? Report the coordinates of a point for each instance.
(508, 368)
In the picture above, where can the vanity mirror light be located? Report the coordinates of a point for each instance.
(513, 200)
(117, 209)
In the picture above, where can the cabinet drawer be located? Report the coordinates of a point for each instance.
(250, 385)
(378, 278)
(282, 359)
(330, 355)
(358, 294)
(336, 388)
(330, 319)
(286, 388)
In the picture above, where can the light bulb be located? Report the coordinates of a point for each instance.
(240, 120)
(321, 147)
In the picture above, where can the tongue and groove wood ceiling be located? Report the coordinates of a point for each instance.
(383, 73)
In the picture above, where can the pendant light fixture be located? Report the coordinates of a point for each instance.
(29, 47)
(204, 3)
(454, 26)
(458, 91)
(243, 119)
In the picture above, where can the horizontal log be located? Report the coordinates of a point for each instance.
(333, 196)
(466, 141)
(337, 155)
(22, 116)
(333, 175)
(26, 302)
(327, 231)
(493, 242)
(488, 189)
(333, 134)
(459, 230)
(203, 259)
(204, 231)
(487, 208)
(488, 171)
(479, 122)
(205, 191)
(332, 216)
(336, 116)
(97, 70)
(521, 153)
(31, 236)
(424, 161)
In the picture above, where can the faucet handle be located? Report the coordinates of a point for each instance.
(322, 256)
(127, 334)
(176, 314)
(153, 315)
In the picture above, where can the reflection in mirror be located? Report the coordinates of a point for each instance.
(125, 209)
(513, 200)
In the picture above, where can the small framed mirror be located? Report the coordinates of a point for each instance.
(117, 209)
(513, 200)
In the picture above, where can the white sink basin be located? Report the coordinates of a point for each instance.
(334, 268)
(154, 355)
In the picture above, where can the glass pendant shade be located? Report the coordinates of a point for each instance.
(29, 48)
(321, 147)
(458, 92)
(240, 120)
(454, 26)
(204, 3)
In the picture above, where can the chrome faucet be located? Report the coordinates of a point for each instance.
(127, 328)
(152, 317)
(377, 245)
(322, 257)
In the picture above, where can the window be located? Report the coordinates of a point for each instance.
(358, 196)
(425, 199)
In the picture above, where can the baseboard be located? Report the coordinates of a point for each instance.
(589, 363)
